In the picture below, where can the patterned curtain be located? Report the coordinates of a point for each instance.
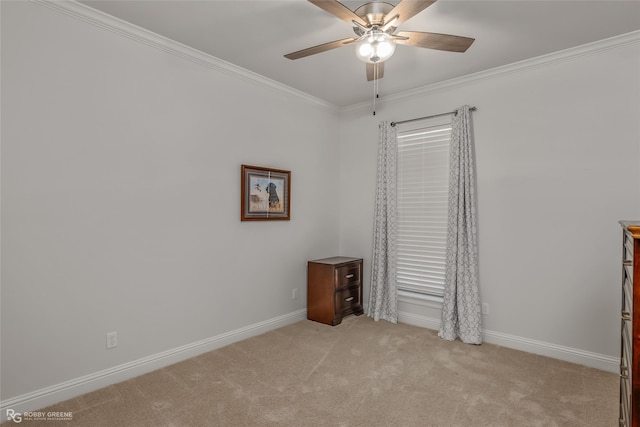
(461, 314)
(383, 299)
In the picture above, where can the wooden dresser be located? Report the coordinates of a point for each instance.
(630, 342)
(334, 289)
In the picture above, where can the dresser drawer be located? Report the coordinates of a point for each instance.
(625, 375)
(628, 273)
(625, 403)
(626, 364)
(627, 305)
(347, 275)
(628, 247)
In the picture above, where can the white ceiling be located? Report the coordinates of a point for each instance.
(256, 34)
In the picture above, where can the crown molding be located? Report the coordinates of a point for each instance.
(516, 67)
(138, 34)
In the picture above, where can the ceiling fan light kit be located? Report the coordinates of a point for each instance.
(375, 46)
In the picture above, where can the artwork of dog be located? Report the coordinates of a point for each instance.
(274, 200)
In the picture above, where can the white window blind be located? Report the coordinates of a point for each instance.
(423, 190)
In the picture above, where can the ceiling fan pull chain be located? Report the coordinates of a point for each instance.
(375, 86)
(375, 81)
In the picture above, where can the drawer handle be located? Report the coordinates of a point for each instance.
(348, 276)
(627, 262)
(349, 299)
(626, 315)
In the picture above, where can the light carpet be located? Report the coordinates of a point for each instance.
(359, 373)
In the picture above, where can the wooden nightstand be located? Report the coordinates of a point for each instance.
(334, 289)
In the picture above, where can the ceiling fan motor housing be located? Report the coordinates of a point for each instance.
(373, 14)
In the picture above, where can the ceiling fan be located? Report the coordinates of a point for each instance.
(375, 25)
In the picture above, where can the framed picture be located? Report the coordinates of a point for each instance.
(265, 194)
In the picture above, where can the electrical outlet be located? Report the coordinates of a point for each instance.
(112, 339)
(294, 293)
(485, 308)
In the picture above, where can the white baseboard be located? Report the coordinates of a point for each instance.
(568, 354)
(417, 320)
(75, 387)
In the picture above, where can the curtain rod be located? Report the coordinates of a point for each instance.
(430, 117)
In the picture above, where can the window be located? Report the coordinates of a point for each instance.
(423, 190)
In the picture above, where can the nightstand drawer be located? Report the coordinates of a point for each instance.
(347, 275)
(347, 299)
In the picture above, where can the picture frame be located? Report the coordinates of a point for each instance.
(265, 194)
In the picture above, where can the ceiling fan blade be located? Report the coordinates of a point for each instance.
(338, 10)
(319, 48)
(372, 73)
(406, 9)
(435, 41)
(390, 23)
